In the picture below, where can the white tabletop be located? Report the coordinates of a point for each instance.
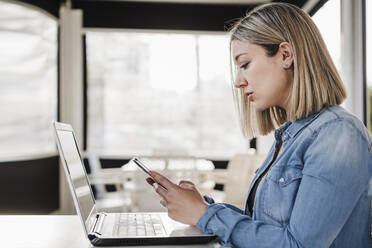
(46, 231)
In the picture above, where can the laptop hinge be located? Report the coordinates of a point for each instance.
(98, 223)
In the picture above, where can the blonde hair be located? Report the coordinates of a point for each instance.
(316, 82)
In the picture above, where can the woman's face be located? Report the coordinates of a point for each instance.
(266, 81)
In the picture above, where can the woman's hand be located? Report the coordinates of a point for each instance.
(184, 202)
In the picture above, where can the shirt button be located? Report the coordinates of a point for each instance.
(281, 180)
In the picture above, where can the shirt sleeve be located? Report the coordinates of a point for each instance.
(335, 175)
(210, 200)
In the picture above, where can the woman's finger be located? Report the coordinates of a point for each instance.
(160, 190)
(163, 203)
(162, 180)
(186, 185)
(186, 182)
(150, 181)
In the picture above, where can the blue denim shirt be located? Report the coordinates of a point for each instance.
(315, 193)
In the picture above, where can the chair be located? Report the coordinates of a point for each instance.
(237, 178)
(117, 201)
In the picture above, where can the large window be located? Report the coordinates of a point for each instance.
(328, 20)
(28, 81)
(161, 93)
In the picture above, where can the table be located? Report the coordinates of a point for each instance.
(57, 231)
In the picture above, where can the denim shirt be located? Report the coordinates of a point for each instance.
(314, 195)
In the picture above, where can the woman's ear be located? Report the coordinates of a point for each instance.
(286, 54)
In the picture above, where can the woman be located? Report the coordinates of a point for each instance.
(311, 191)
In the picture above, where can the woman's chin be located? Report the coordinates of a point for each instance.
(259, 107)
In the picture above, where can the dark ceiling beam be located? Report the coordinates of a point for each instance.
(317, 7)
(165, 16)
(157, 15)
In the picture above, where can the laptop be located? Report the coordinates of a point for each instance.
(114, 229)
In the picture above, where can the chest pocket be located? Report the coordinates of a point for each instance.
(279, 191)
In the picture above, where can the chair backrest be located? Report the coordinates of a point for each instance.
(240, 172)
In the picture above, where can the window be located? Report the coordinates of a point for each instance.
(28, 81)
(156, 93)
(328, 20)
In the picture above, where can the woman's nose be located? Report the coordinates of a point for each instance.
(240, 81)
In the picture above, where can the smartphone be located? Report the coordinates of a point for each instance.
(145, 169)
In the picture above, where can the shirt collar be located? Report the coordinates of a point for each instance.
(278, 132)
(293, 128)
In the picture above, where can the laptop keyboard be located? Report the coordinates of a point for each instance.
(139, 224)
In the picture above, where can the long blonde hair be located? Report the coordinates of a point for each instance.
(316, 82)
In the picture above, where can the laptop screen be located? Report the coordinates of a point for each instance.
(77, 173)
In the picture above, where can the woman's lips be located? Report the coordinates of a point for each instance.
(249, 95)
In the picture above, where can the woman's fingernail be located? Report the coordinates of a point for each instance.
(155, 185)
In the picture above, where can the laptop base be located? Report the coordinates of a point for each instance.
(97, 241)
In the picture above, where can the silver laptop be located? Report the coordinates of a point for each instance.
(110, 229)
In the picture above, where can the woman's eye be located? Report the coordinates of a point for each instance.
(244, 66)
